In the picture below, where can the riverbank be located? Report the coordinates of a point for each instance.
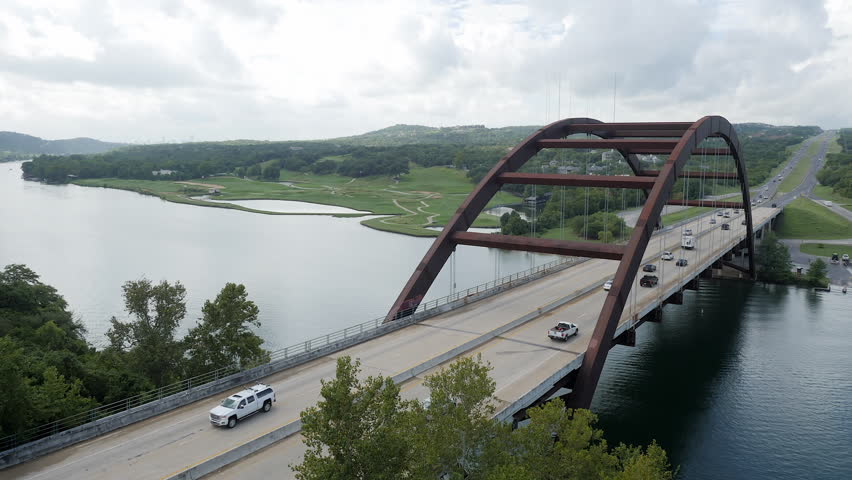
(426, 197)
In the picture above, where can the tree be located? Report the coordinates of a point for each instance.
(223, 336)
(560, 443)
(451, 433)
(148, 338)
(14, 402)
(817, 273)
(271, 172)
(355, 431)
(55, 398)
(515, 225)
(773, 260)
(254, 171)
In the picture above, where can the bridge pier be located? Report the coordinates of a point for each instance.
(674, 299)
(693, 284)
(627, 338)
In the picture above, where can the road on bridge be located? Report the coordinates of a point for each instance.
(523, 358)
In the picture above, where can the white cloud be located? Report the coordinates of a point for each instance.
(124, 70)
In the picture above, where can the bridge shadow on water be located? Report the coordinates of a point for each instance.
(661, 388)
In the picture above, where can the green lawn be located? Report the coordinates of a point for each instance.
(825, 250)
(797, 176)
(827, 193)
(804, 218)
(424, 197)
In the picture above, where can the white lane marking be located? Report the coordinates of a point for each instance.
(58, 467)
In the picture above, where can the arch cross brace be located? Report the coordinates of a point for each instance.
(679, 140)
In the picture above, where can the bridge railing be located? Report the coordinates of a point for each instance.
(298, 349)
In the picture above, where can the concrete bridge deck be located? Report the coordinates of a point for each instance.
(524, 362)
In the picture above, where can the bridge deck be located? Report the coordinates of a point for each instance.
(523, 359)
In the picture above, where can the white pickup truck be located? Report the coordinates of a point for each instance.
(562, 331)
(242, 404)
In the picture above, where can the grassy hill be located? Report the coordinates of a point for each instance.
(419, 134)
(19, 143)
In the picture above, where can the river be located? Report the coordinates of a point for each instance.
(742, 381)
(309, 274)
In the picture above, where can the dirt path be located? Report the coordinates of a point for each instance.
(208, 185)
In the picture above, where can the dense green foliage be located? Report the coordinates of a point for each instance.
(775, 266)
(773, 260)
(385, 152)
(223, 337)
(49, 372)
(361, 429)
(568, 207)
(837, 172)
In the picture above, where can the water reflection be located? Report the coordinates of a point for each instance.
(309, 275)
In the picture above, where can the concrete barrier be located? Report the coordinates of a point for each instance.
(228, 457)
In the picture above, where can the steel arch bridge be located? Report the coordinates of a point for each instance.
(679, 140)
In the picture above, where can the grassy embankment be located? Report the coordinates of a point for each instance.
(425, 197)
(827, 193)
(826, 249)
(800, 171)
(804, 218)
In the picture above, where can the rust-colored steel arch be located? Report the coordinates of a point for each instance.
(677, 139)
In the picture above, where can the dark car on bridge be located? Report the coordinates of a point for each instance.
(681, 262)
(649, 281)
(649, 268)
(726, 226)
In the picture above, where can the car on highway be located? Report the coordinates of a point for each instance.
(681, 262)
(562, 331)
(726, 226)
(736, 212)
(258, 398)
(650, 267)
(719, 213)
(727, 214)
(753, 203)
(712, 221)
(774, 205)
(667, 256)
(688, 231)
(607, 285)
(649, 281)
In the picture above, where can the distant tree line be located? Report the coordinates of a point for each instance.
(837, 172)
(49, 372)
(764, 147)
(262, 161)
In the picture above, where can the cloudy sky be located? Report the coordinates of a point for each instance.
(180, 70)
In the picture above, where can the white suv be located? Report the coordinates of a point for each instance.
(242, 404)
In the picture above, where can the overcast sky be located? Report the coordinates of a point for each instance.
(179, 70)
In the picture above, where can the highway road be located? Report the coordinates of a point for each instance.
(522, 358)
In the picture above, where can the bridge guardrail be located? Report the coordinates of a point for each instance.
(296, 350)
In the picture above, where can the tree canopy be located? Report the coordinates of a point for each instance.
(49, 371)
(362, 429)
